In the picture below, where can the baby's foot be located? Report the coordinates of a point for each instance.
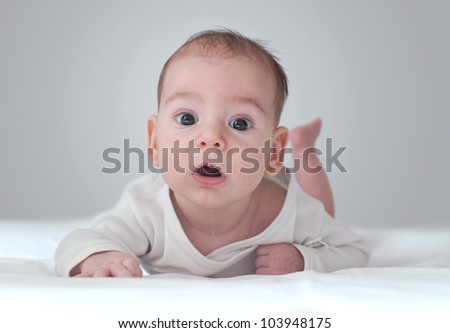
(305, 136)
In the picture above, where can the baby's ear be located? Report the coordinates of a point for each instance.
(276, 156)
(151, 145)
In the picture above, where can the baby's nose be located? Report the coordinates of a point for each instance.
(211, 137)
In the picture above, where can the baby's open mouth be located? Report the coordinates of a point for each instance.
(209, 171)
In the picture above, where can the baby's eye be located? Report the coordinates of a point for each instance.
(240, 124)
(186, 119)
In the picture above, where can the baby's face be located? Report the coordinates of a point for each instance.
(215, 118)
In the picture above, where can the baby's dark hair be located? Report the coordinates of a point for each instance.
(229, 43)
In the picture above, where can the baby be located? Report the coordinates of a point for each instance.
(222, 203)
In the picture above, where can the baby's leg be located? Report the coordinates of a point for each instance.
(314, 183)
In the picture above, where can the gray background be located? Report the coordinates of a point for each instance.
(77, 77)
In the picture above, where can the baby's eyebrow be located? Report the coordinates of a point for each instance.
(183, 95)
(249, 100)
(240, 100)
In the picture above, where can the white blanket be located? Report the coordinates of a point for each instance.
(409, 271)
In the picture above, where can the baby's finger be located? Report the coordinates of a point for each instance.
(119, 270)
(263, 250)
(262, 261)
(133, 266)
(101, 272)
(264, 271)
(83, 275)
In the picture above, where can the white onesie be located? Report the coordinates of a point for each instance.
(144, 224)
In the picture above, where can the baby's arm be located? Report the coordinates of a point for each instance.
(108, 264)
(328, 248)
(109, 247)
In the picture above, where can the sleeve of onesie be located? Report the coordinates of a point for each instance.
(326, 244)
(116, 230)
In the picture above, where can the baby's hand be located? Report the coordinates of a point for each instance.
(276, 259)
(108, 264)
